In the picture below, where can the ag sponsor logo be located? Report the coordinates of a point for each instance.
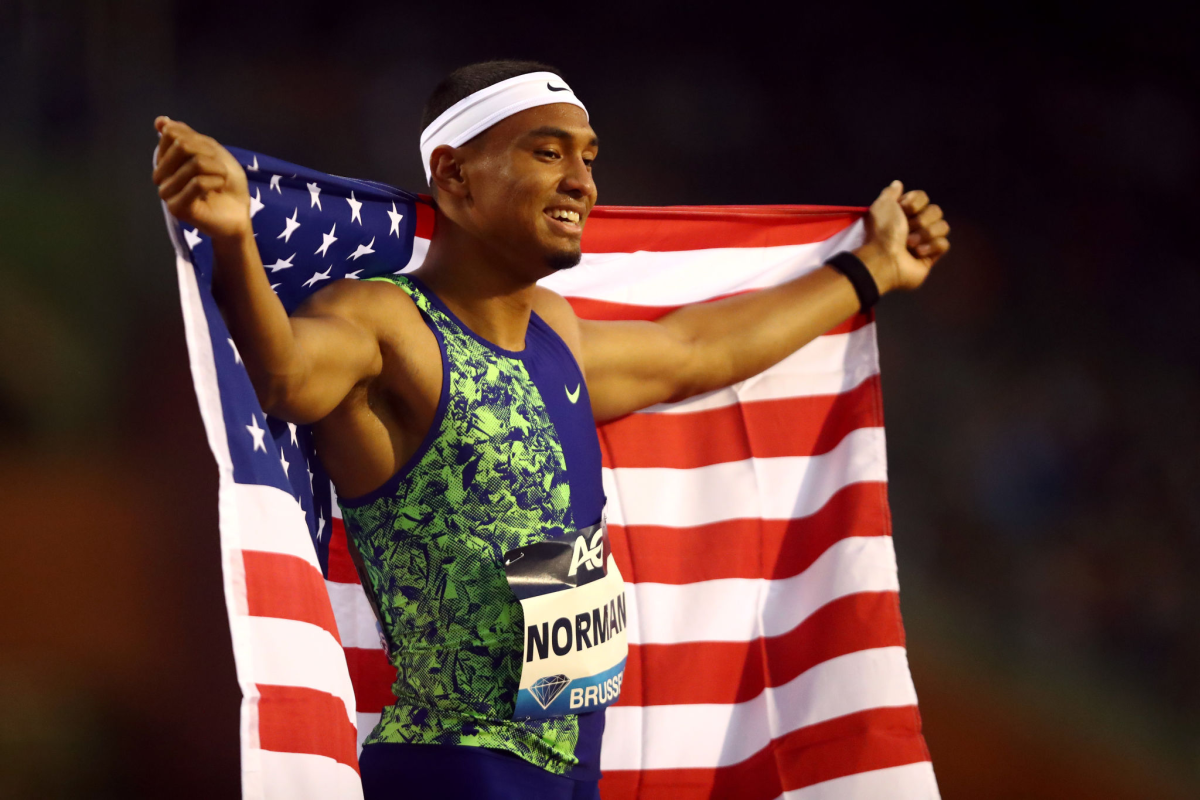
(589, 555)
(584, 630)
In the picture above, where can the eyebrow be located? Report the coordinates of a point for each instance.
(559, 133)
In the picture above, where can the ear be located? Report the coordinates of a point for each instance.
(446, 168)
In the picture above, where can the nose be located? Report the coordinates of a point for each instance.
(577, 181)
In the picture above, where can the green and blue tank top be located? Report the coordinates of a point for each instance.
(511, 459)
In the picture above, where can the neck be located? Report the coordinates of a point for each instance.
(475, 282)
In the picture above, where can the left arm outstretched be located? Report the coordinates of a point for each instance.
(706, 346)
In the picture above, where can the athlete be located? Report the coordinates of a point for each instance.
(454, 409)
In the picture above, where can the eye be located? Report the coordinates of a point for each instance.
(548, 153)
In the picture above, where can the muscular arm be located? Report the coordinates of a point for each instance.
(301, 366)
(632, 365)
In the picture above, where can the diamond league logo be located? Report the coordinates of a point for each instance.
(544, 690)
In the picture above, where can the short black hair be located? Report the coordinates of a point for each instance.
(468, 80)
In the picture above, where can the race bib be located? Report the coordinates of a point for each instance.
(574, 602)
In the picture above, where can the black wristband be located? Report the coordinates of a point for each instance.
(859, 276)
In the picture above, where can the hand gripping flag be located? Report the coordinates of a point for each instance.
(751, 523)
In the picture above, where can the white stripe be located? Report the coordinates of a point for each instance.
(909, 782)
(690, 276)
(355, 619)
(754, 488)
(740, 609)
(826, 365)
(727, 610)
(271, 520)
(286, 652)
(716, 735)
(366, 724)
(287, 776)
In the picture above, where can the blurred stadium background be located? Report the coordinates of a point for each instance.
(1042, 391)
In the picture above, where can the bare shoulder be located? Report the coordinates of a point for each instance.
(380, 306)
(558, 314)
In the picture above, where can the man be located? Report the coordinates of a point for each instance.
(454, 410)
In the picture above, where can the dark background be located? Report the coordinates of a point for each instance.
(1041, 390)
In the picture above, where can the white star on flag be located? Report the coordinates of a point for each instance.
(253, 167)
(275, 183)
(355, 207)
(258, 433)
(314, 196)
(320, 526)
(310, 476)
(327, 239)
(275, 287)
(280, 264)
(292, 428)
(237, 357)
(318, 276)
(395, 218)
(353, 275)
(256, 203)
(291, 224)
(363, 250)
(284, 461)
(192, 237)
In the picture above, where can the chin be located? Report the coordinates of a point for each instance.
(563, 259)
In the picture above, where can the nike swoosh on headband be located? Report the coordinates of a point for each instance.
(556, 88)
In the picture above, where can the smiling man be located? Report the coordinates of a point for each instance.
(454, 409)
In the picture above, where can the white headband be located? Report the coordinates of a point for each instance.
(475, 113)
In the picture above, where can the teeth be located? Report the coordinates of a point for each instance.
(567, 216)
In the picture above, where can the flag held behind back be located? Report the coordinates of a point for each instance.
(766, 645)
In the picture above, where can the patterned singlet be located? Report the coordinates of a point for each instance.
(511, 458)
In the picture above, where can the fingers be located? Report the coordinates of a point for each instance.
(932, 251)
(178, 142)
(892, 191)
(929, 215)
(939, 229)
(914, 202)
(194, 189)
(196, 165)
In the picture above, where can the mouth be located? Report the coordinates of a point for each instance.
(565, 220)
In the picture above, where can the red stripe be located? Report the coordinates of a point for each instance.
(792, 426)
(749, 548)
(626, 229)
(605, 310)
(733, 672)
(867, 740)
(295, 719)
(426, 217)
(341, 567)
(287, 587)
(372, 675)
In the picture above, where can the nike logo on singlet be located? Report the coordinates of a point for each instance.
(556, 88)
(575, 396)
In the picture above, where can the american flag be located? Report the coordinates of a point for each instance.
(751, 524)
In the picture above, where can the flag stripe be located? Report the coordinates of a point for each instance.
(341, 566)
(690, 276)
(737, 671)
(621, 229)
(741, 609)
(728, 610)
(766, 488)
(716, 735)
(288, 776)
(283, 586)
(874, 739)
(297, 719)
(373, 676)
(604, 310)
(794, 426)
(274, 644)
(749, 548)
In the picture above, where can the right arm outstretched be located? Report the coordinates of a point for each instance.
(301, 366)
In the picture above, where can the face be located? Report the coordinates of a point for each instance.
(527, 186)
